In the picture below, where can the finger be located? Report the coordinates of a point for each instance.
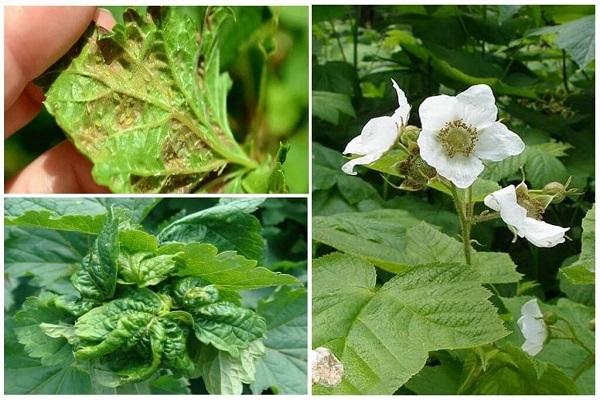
(104, 18)
(62, 169)
(34, 39)
(23, 110)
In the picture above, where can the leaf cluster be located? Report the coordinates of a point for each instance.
(124, 309)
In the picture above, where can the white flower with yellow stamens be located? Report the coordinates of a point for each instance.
(460, 131)
(539, 233)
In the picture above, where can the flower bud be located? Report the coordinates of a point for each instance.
(409, 135)
(556, 190)
(550, 317)
(592, 324)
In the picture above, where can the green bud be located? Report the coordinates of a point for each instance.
(409, 135)
(592, 324)
(556, 190)
(550, 317)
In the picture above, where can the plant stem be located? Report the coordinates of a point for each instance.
(355, 36)
(564, 71)
(484, 217)
(464, 221)
(337, 38)
(588, 362)
(565, 336)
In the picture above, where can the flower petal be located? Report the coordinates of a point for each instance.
(533, 327)
(505, 201)
(436, 111)
(532, 347)
(476, 106)
(355, 146)
(532, 309)
(348, 168)
(461, 170)
(496, 143)
(403, 111)
(543, 234)
(379, 134)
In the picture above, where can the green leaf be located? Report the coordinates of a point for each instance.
(457, 65)
(582, 271)
(175, 354)
(26, 375)
(268, 177)
(496, 171)
(329, 106)
(480, 189)
(576, 38)
(383, 335)
(228, 327)
(106, 328)
(226, 270)
(543, 167)
(564, 354)
(334, 76)
(445, 372)
(37, 310)
(49, 257)
(224, 374)
(229, 226)
(86, 215)
(512, 371)
(169, 384)
(425, 244)
(283, 368)
(377, 236)
(191, 293)
(143, 269)
(136, 103)
(96, 277)
(327, 173)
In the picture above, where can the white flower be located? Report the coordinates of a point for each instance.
(378, 135)
(460, 131)
(539, 233)
(327, 370)
(532, 326)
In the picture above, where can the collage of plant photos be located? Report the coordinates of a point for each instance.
(299, 199)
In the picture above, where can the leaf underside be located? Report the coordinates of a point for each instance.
(146, 103)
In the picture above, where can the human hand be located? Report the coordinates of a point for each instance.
(34, 39)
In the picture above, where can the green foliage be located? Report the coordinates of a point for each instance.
(366, 326)
(372, 234)
(143, 316)
(283, 367)
(569, 357)
(582, 271)
(173, 112)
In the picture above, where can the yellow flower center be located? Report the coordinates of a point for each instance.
(457, 137)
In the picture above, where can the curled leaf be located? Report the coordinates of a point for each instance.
(228, 327)
(147, 103)
(96, 277)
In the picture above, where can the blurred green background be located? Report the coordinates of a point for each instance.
(281, 115)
